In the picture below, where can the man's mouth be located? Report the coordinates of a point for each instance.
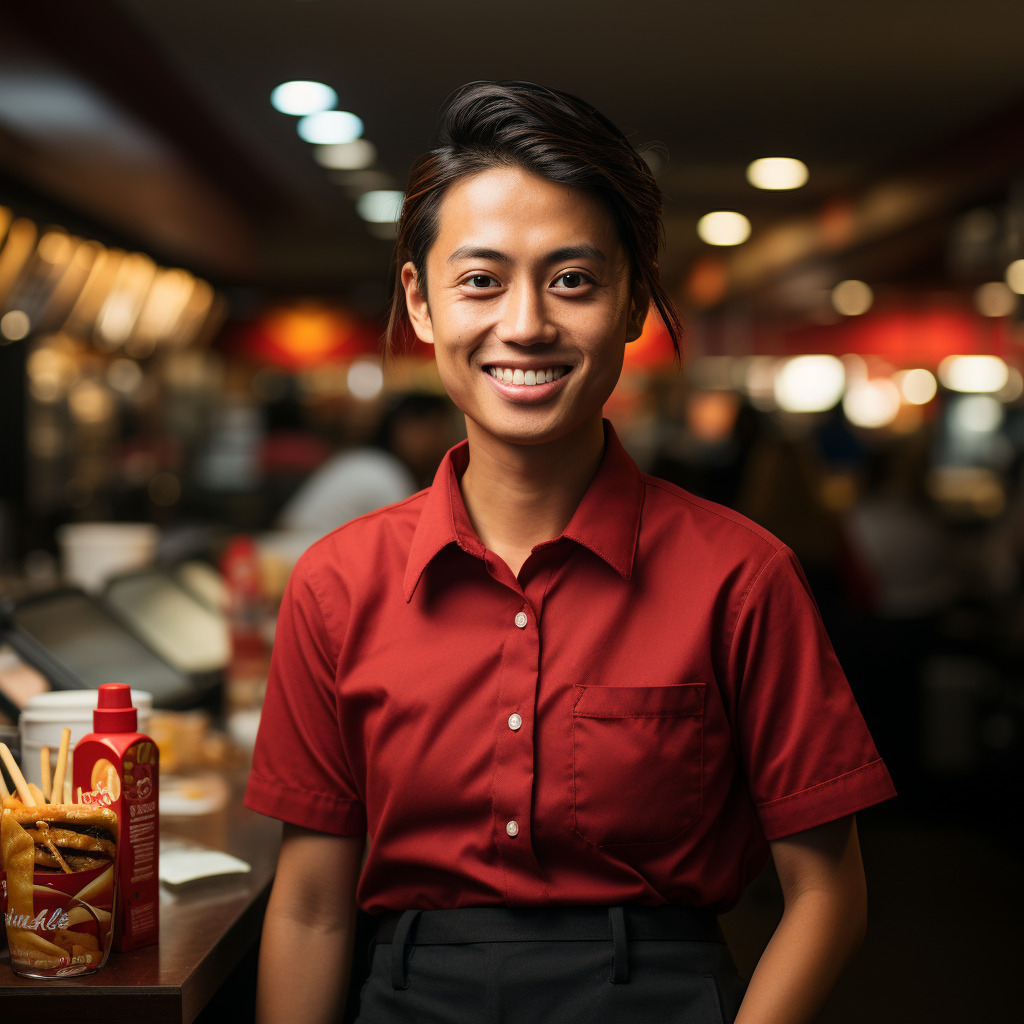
(529, 378)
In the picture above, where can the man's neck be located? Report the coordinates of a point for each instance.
(518, 496)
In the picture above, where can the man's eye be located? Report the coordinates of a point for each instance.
(482, 281)
(572, 279)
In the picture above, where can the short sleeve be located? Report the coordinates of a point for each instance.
(299, 772)
(806, 751)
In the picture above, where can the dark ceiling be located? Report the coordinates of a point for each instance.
(854, 90)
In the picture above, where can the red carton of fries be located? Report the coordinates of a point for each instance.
(116, 770)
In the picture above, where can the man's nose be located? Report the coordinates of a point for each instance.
(523, 320)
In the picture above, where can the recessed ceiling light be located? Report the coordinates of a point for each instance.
(723, 227)
(383, 206)
(346, 156)
(330, 127)
(303, 97)
(777, 173)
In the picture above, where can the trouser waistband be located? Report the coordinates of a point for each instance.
(401, 929)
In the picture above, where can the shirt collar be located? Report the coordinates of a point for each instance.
(606, 522)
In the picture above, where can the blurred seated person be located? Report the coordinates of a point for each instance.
(414, 436)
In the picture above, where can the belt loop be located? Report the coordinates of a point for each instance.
(398, 944)
(620, 961)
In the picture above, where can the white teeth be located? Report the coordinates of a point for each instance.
(527, 378)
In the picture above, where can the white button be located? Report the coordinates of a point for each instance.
(521, 620)
(514, 722)
(512, 828)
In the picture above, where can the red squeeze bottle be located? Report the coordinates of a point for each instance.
(116, 766)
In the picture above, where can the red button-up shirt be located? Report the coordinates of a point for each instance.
(628, 721)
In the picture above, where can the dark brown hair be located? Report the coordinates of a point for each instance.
(553, 135)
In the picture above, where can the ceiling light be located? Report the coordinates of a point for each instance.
(777, 173)
(872, 403)
(303, 97)
(917, 386)
(383, 206)
(723, 227)
(330, 127)
(809, 383)
(346, 156)
(979, 374)
(852, 298)
(995, 299)
(1015, 276)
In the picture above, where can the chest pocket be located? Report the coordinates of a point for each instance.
(637, 761)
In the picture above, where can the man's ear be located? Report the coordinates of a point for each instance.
(416, 305)
(637, 313)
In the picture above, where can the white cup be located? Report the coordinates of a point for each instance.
(44, 717)
(93, 552)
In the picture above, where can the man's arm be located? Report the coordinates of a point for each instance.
(822, 926)
(306, 950)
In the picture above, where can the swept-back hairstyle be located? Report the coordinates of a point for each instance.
(553, 135)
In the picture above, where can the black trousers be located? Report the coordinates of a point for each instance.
(606, 977)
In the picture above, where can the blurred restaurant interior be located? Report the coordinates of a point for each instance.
(197, 205)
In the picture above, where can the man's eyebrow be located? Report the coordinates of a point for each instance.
(472, 252)
(566, 254)
(576, 252)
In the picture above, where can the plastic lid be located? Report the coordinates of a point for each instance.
(67, 706)
(114, 711)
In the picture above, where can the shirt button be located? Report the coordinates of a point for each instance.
(514, 722)
(512, 828)
(521, 620)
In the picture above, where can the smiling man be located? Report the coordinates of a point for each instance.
(576, 708)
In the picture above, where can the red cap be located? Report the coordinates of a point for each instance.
(114, 711)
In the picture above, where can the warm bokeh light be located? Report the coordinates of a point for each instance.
(777, 173)
(973, 373)
(995, 299)
(303, 97)
(809, 383)
(1015, 276)
(852, 298)
(346, 156)
(723, 227)
(330, 127)
(917, 386)
(382, 206)
(872, 403)
(976, 414)
(15, 325)
(1013, 388)
(365, 379)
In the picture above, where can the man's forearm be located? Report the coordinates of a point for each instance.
(303, 971)
(818, 936)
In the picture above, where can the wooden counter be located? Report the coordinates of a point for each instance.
(206, 927)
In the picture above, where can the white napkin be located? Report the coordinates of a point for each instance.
(182, 862)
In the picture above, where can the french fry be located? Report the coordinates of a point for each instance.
(98, 887)
(5, 793)
(67, 791)
(30, 945)
(62, 764)
(79, 915)
(17, 854)
(16, 777)
(66, 938)
(37, 794)
(44, 768)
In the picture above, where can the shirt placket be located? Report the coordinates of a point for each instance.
(525, 882)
